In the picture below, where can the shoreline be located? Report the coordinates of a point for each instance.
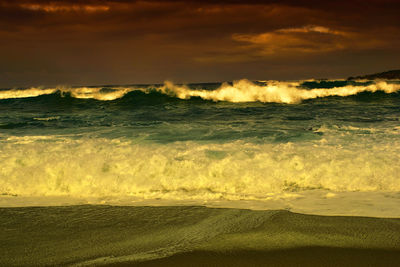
(318, 202)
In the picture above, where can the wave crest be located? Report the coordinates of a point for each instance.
(239, 91)
(274, 91)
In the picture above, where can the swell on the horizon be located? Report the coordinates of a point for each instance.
(238, 91)
(97, 93)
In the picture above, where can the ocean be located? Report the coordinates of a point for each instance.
(81, 161)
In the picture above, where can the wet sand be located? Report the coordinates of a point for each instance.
(312, 256)
(90, 235)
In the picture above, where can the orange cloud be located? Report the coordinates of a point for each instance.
(50, 8)
(310, 28)
(306, 39)
(152, 40)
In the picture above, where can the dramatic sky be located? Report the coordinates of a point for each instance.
(87, 42)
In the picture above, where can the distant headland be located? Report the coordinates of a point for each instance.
(391, 74)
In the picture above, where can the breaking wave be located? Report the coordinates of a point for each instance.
(191, 171)
(238, 91)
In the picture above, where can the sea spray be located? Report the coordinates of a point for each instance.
(239, 91)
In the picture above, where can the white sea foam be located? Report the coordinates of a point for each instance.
(278, 92)
(76, 92)
(23, 93)
(106, 170)
(47, 118)
(97, 93)
(239, 91)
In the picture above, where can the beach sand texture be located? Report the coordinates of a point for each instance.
(192, 236)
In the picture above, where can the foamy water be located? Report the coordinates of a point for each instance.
(239, 91)
(262, 145)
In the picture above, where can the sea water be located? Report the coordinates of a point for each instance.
(328, 147)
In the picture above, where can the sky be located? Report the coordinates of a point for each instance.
(88, 42)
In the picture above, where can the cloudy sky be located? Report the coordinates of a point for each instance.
(87, 42)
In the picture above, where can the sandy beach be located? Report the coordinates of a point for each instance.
(311, 256)
(192, 236)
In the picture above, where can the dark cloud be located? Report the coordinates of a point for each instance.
(101, 41)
